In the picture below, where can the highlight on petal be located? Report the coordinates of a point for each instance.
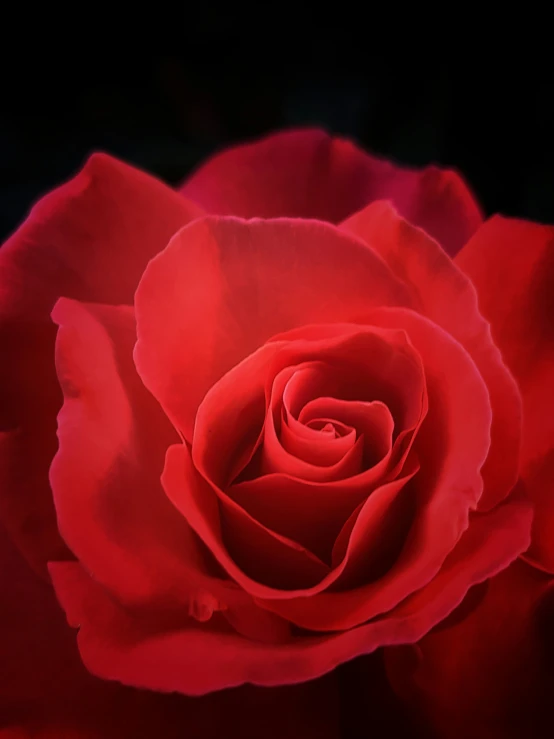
(309, 174)
(511, 263)
(224, 286)
(89, 240)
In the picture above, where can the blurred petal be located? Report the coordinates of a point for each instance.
(488, 670)
(90, 240)
(511, 263)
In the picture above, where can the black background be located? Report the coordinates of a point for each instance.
(165, 111)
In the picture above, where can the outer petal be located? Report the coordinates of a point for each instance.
(488, 670)
(88, 240)
(443, 293)
(105, 478)
(308, 174)
(512, 265)
(195, 660)
(47, 693)
(224, 286)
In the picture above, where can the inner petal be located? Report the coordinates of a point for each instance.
(323, 444)
(371, 420)
(276, 458)
(325, 447)
(325, 425)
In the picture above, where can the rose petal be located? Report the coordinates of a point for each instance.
(308, 174)
(512, 265)
(320, 444)
(443, 293)
(224, 286)
(90, 239)
(373, 420)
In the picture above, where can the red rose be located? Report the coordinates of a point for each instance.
(281, 443)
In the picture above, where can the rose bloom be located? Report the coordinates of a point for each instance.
(297, 413)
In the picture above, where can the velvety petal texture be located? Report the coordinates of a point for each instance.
(309, 174)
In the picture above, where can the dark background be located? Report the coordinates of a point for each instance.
(493, 121)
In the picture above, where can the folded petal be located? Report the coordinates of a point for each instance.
(511, 263)
(90, 240)
(308, 174)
